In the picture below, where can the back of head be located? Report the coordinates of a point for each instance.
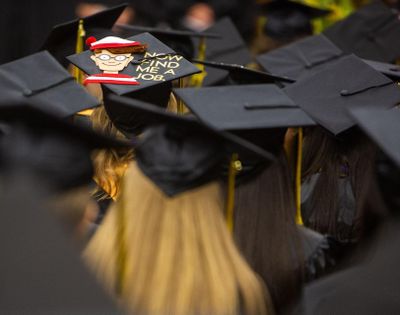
(343, 166)
(180, 258)
(266, 232)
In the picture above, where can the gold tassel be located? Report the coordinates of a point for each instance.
(197, 79)
(235, 166)
(78, 74)
(180, 105)
(299, 219)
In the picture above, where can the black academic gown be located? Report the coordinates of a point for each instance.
(369, 288)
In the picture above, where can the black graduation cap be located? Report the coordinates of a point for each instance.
(55, 149)
(178, 152)
(238, 74)
(371, 32)
(229, 48)
(383, 126)
(390, 70)
(348, 83)
(61, 42)
(178, 40)
(290, 19)
(40, 78)
(247, 110)
(305, 56)
(41, 271)
(148, 69)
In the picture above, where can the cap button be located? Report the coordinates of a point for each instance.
(344, 92)
(27, 92)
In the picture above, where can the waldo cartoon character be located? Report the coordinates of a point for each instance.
(112, 55)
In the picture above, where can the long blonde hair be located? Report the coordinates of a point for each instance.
(180, 257)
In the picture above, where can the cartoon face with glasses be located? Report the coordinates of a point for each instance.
(111, 62)
(112, 55)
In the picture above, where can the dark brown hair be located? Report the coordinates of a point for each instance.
(266, 232)
(327, 155)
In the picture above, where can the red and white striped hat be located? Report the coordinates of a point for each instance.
(110, 42)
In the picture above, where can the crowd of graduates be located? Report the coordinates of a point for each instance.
(200, 157)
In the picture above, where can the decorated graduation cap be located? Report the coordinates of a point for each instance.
(288, 19)
(388, 69)
(348, 83)
(62, 41)
(41, 271)
(238, 74)
(178, 152)
(305, 56)
(178, 40)
(228, 48)
(54, 149)
(125, 66)
(40, 78)
(371, 32)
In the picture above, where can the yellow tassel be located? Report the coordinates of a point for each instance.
(299, 219)
(180, 105)
(78, 75)
(197, 79)
(235, 166)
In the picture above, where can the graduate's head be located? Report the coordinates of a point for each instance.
(170, 200)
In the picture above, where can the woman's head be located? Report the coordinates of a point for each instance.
(180, 257)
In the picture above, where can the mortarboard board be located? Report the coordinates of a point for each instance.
(57, 150)
(229, 48)
(238, 74)
(147, 69)
(178, 152)
(246, 110)
(40, 78)
(388, 69)
(305, 56)
(290, 19)
(259, 114)
(41, 271)
(244, 107)
(178, 40)
(61, 42)
(371, 33)
(348, 83)
(382, 126)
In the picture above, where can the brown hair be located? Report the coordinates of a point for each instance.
(124, 50)
(266, 232)
(180, 257)
(327, 155)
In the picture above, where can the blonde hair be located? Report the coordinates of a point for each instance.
(181, 259)
(110, 164)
